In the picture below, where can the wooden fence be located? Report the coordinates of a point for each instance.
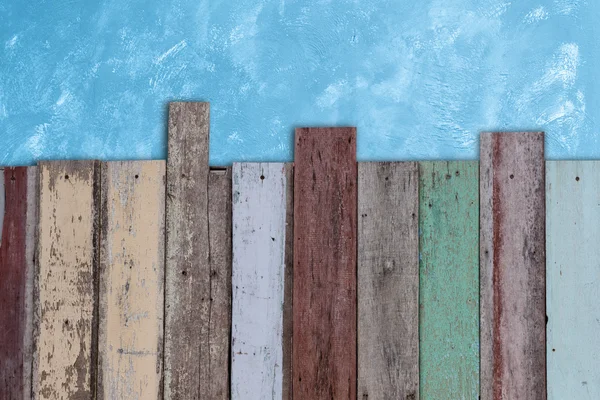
(322, 279)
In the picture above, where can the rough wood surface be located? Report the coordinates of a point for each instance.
(66, 284)
(188, 275)
(325, 197)
(219, 226)
(259, 217)
(18, 222)
(288, 285)
(573, 284)
(388, 281)
(512, 266)
(131, 297)
(449, 279)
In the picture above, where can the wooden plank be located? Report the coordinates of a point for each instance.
(449, 278)
(188, 276)
(512, 266)
(573, 288)
(325, 197)
(288, 285)
(18, 221)
(388, 280)
(219, 226)
(131, 298)
(65, 287)
(259, 217)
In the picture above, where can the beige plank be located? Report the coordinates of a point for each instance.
(65, 286)
(131, 280)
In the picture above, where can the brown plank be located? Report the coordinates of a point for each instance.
(388, 280)
(18, 191)
(65, 342)
(325, 206)
(219, 226)
(288, 285)
(512, 266)
(187, 269)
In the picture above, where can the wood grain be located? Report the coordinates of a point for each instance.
(573, 287)
(388, 281)
(259, 217)
(449, 279)
(18, 222)
(188, 275)
(325, 207)
(131, 299)
(288, 286)
(219, 226)
(65, 287)
(512, 266)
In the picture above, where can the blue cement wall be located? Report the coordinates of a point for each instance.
(420, 79)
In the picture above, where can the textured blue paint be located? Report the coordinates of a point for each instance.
(420, 79)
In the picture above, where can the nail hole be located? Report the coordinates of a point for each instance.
(262, 177)
(511, 176)
(184, 273)
(553, 349)
(457, 173)
(137, 176)
(577, 179)
(66, 322)
(66, 176)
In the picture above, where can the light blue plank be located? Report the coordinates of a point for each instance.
(573, 279)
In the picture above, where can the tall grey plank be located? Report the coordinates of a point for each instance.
(512, 266)
(187, 270)
(388, 281)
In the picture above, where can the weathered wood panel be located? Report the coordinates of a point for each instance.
(65, 356)
(219, 226)
(131, 298)
(18, 222)
(188, 275)
(449, 279)
(388, 281)
(288, 285)
(325, 207)
(512, 266)
(573, 285)
(259, 217)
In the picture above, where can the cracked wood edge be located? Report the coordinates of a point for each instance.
(65, 319)
(187, 269)
(131, 297)
(512, 266)
(18, 222)
(388, 280)
(259, 241)
(324, 295)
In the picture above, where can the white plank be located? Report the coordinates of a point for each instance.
(259, 215)
(573, 279)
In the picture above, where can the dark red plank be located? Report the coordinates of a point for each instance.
(324, 295)
(16, 262)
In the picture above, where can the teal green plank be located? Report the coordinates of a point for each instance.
(573, 279)
(449, 280)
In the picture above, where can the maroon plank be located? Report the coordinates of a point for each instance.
(15, 286)
(512, 266)
(324, 294)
